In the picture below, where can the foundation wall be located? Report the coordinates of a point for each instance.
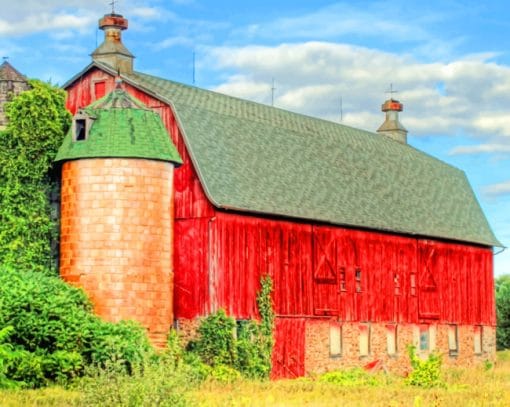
(318, 357)
(116, 238)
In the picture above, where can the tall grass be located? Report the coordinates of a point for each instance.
(170, 385)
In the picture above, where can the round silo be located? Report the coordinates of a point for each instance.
(117, 211)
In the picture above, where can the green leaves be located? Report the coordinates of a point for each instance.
(426, 372)
(503, 312)
(243, 345)
(52, 334)
(38, 121)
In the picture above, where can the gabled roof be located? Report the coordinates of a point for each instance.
(120, 126)
(259, 159)
(9, 73)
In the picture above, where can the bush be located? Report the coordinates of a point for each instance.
(503, 312)
(54, 334)
(351, 377)
(426, 372)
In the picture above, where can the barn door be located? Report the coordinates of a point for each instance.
(325, 276)
(428, 293)
(288, 359)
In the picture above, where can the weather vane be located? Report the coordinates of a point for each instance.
(391, 91)
(113, 6)
(5, 58)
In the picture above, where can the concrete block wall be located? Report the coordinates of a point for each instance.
(117, 238)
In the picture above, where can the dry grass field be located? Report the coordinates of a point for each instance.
(464, 387)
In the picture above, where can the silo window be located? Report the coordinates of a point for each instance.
(80, 129)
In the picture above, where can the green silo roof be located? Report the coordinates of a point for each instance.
(120, 126)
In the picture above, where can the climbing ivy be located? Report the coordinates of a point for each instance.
(244, 345)
(37, 123)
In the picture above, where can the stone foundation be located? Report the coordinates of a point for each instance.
(318, 358)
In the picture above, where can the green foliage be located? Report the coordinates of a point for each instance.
(37, 124)
(155, 383)
(216, 342)
(246, 346)
(54, 334)
(426, 372)
(503, 312)
(351, 377)
(7, 356)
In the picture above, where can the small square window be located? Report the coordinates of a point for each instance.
(80, 129)
(335, 340)
(424, 343)
(391, 339)
(357, 274)
(453, 340)
(478, 339)
(364, 339)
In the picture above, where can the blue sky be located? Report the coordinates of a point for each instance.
(450, 61)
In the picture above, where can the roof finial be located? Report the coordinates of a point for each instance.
(391, 91)
(113, 6)
(5, 59)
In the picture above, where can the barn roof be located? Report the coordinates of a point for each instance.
(120, 126)
(260, 159)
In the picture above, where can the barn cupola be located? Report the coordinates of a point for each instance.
(112, 51)
(392, 127)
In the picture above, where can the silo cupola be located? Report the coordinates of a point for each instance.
(112, 51)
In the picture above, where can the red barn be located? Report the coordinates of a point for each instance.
(371, 244)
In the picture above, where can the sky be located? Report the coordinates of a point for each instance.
(449, 61)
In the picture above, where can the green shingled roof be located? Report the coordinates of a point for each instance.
(259, 159)
(121, 126)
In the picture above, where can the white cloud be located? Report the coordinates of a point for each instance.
(473, 97)
(481, 148)
(497, 190)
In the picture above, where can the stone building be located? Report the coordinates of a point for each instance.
(12, 83)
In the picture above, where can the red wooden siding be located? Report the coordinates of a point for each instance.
(288, 359)
(349, 274)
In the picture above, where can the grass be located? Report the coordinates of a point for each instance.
(465, 387)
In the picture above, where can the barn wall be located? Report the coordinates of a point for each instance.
(322, 271)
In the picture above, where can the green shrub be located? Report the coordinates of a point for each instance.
(426, 372)
(351, 377)
(246, 345)
(216, 342)
(156, 383)
(503, 312)
(7, 355)
(55, 335)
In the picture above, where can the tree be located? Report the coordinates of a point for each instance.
(37, 124)
(503, 311)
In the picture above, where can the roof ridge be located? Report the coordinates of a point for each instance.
(252, 102)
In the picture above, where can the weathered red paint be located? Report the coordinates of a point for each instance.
(318, 271)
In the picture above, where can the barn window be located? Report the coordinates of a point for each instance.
(80, 129)
(478, 339)
(357, 272)
(413, 284)
(343, 284)
(453, 340)
(396, 281)
(391, 339)
(424, 338)
(81, 126)
(335, 340)
(99, 89)
(364, 339)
